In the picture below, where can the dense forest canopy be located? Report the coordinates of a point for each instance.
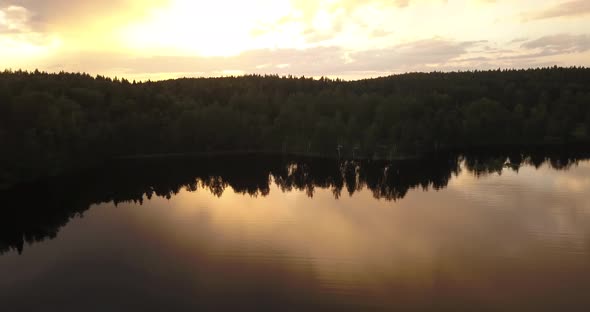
(50, 123)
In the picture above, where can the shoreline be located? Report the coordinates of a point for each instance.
(504, 150)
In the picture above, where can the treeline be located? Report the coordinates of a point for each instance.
(36, 211)
(54, 122)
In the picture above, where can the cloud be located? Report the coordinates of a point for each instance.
(573, 8)
(560, 49)
(417, 55)
(559, 44)
(60, 13)
(313, 61)
(324, 20)
(17, 31)
(353, 4)
(317, 61)
(14, 19)
(441, 54)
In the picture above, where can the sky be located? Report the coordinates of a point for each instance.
(350, 39)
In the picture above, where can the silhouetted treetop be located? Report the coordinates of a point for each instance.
(52, 123)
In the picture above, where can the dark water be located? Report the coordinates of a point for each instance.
(508, 232)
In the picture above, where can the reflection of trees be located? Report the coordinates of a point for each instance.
(386, 180)
(485, 162)
(37, 211)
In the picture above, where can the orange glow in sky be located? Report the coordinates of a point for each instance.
(172, 38)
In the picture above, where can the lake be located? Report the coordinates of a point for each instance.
(477, 232)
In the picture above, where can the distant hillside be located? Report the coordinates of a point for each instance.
(50, 123)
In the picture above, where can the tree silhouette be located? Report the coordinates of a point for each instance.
(56, 123)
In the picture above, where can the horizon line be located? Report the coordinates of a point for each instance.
(288, 76)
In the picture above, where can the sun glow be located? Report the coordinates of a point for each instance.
(220, 28)
(14, 50)
(350, 39)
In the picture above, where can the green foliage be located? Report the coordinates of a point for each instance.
(55, 122)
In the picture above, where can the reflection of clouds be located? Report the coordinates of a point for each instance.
(361, 241)
(573, 185)
(343, 232)
(548, 203)
(441, 245)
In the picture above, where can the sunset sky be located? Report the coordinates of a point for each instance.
(157, 39)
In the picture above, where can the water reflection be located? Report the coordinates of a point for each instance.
(37, 211)
(500, 232)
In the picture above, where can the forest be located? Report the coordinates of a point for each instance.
(51, 123)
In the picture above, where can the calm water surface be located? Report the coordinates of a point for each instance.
(453, 234)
